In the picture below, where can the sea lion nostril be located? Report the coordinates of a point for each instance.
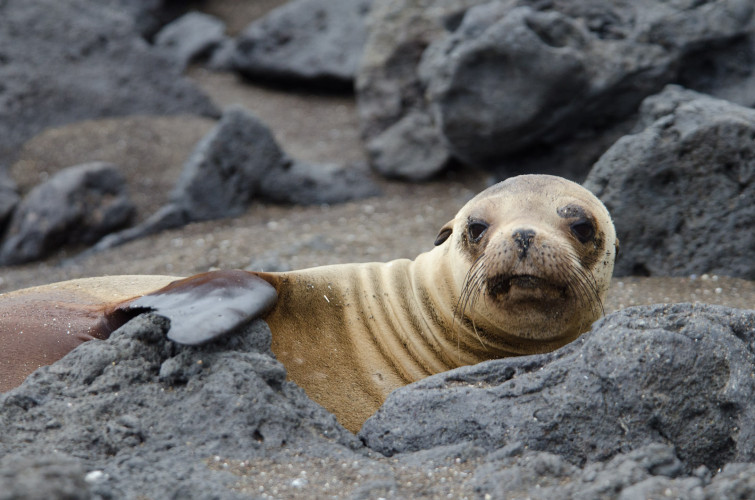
(523, 237)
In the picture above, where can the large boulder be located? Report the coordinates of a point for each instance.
(316, 41)
(400, 133)
(513, 76)
(62, 62)
(681, 189)
(673, 374)
(511, 85)
(78, 205)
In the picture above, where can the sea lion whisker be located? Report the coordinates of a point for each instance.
(591, 285)
(466, 291)
(575, 282)
(474, 282)
(586, 284)
(480, 280)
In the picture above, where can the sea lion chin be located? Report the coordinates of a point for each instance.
(522, 268)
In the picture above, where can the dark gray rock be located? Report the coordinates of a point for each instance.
(240, 161)
(9, 198)
(722, 70)
(318, 41)
(191, 37)
(514, 75)
(304, 183)
(411, 149)
(66, 62)
(542, 475)
(523, 85)
(225, 171)
(149, 16)
(78, 205)
(391, 98)
(144, 415)
(681, 189)
(672, 374)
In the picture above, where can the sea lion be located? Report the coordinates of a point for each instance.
(522, 268)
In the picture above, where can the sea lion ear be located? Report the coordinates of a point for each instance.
(444, 233)
(618, 247)
(207, 306)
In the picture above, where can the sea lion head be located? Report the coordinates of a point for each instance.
(533, 257)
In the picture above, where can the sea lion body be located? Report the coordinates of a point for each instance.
(350, 334)
(523, 268)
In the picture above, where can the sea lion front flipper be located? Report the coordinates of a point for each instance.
(208, 305)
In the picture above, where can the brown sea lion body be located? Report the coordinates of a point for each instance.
(523, 268)
(40, 325)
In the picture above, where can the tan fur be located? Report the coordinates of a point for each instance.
(349, 334)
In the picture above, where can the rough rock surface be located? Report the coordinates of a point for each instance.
(674, 374)
(681, 189)
(145, 415)
(190, 37)
(240, 161)
(78, 205)
(722, 70)
(55, 476)
(317, 41)
(65, 62)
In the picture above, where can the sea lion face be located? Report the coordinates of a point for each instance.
(534, 257)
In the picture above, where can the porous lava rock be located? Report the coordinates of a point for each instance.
(681, 188)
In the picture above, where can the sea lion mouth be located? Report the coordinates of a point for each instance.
(525, 287)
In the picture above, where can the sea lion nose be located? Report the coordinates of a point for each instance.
(523, 239)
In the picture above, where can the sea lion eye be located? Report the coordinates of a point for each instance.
(583, 230)
(476, 230)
